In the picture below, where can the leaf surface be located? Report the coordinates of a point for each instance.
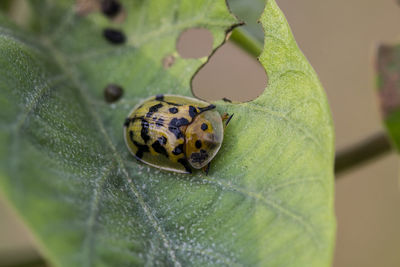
(268, 199)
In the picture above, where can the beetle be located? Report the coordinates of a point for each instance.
(175, 133)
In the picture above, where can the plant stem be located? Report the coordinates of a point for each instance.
(247, 42)
(357, 154)
(38, 262)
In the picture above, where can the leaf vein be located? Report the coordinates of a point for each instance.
(314, 139)
(270, 203)
(83, 91)
(93, 212)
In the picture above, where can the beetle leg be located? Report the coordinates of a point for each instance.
(207, 168)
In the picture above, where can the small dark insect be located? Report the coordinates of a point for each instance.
(114, 36)
(227, 100)
(112, 93)
(110, 8)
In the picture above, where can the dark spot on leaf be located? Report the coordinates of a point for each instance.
(110, 8)
(112, 93)
(114, 36)
(168, 61)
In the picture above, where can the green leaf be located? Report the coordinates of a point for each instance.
(388, 84)
(268, 199)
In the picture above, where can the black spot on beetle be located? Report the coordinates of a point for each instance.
(160, 97)
(199, 157)
(162, 139)
(144, 131)
(204, 126)
(176, 131)
(141, 148)
(173, 104)
(198, 144)
(207, 108)
(110, 8)
(185, 164)
(153, 109)
(178, 122)
(192, 111)
(178, 150)
(112, 93)
(127, 122)
(160, 122)
(173, 110)
(114, 36)
(174, 125)
(157, 146)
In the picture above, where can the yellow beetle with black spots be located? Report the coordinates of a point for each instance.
(175, 133)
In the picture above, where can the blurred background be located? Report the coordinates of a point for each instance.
(339, 38)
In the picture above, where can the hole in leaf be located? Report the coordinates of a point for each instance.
(195, 43)
(231, 74)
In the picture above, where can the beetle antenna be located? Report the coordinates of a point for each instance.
(228, 120)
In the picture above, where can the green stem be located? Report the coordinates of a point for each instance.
(38, 262)
(5, 5)
(247, 42)
(357, 154)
